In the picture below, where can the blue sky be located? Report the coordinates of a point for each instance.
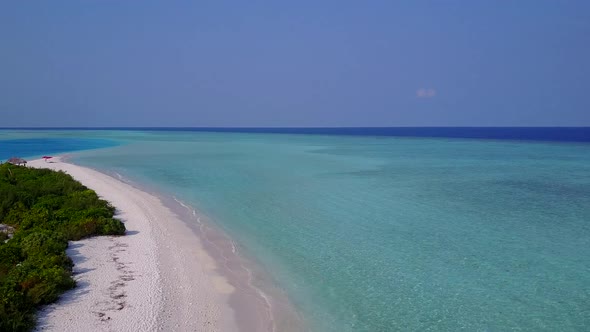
(296, 63)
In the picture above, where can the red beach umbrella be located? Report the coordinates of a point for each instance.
(46, 157)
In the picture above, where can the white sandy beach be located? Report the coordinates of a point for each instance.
(156, 277)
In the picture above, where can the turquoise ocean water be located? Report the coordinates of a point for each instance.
(385, 233)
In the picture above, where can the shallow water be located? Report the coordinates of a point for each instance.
(385, 233)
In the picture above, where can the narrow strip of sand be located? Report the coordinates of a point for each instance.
(156, 277)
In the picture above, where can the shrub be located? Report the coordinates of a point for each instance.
(111, 226)
(47, 209)
(43, 243)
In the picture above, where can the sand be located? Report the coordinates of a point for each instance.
(157, 277)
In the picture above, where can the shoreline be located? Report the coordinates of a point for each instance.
(259, 305)
(156, 277)
(256, 294)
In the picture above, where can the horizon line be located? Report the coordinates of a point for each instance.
(275, 127)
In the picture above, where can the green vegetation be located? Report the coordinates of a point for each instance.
(46, 209)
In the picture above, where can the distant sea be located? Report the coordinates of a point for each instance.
(380, 229)
(564, 134)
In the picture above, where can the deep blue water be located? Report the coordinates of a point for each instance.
(31, 147)
(563, 134)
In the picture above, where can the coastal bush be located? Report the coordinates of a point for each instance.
(46, 209)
